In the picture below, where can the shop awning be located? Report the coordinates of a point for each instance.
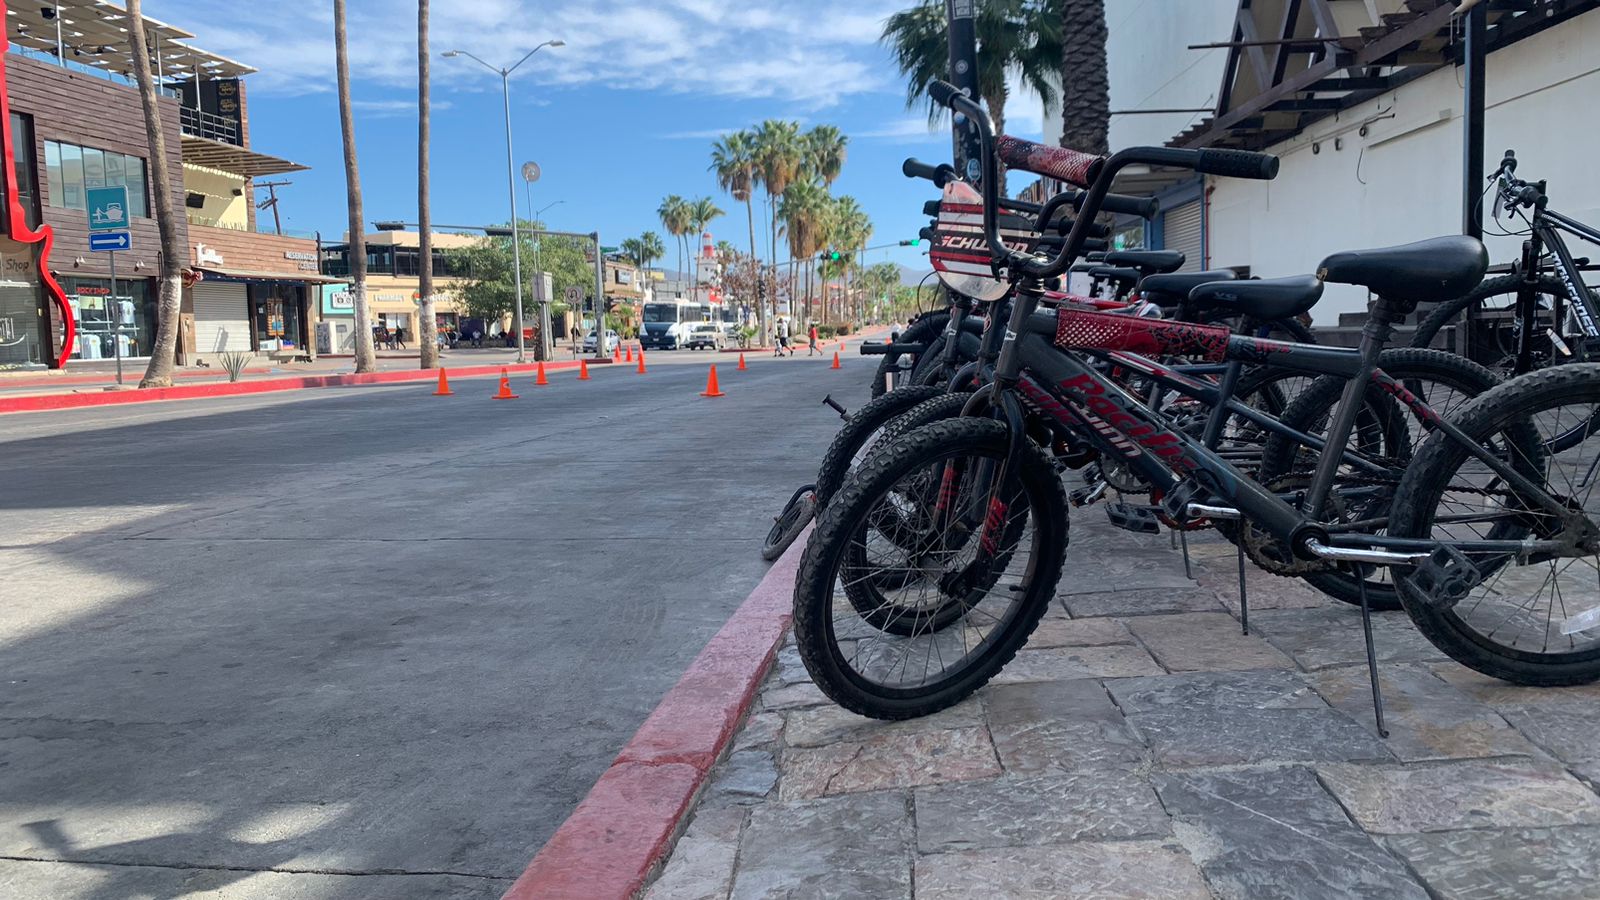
(199, 151)
(248, 275)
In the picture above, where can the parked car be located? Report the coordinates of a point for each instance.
(705, 336)
(612, 342)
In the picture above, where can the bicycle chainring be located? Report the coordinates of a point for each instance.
(1272, 554)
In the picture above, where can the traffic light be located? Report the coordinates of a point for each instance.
(914, 242)
(831, 255)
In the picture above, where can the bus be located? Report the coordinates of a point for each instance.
(667, 323)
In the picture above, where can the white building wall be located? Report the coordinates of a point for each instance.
(1402, 181)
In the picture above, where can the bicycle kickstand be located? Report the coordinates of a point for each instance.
(1183, 538)
(1372, 656)
(1244, 592)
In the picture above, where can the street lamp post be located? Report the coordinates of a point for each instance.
(511, 181)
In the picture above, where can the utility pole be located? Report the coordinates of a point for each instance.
(964, 75)
(272, 202)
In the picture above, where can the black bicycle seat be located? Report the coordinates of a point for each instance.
(1150, 262)
(1436, 269)
(1116, 273)
(1261, 299)
(1170, 289)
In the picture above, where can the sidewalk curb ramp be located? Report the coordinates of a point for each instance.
(43, 402)
(627, 825)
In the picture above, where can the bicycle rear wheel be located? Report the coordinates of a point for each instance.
(800, 509)
(1515, 615)
(942, 661)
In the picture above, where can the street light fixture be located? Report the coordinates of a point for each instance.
(511, 177)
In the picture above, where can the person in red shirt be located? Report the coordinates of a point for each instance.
(813, 335)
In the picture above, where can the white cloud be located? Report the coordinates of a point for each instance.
(384, 109)
(808, 56)
(909, 131)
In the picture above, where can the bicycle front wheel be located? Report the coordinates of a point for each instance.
(1514, 614)
(993, 555)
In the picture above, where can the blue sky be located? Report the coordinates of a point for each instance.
(621, 116)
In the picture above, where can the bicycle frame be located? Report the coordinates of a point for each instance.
(1067, 389)
(1547, 226)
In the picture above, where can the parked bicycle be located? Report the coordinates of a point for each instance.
(935, 561)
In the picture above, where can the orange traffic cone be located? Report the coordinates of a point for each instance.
(628, 356)
(742, 366)
(641, 361)
(711, 384)
(541, 381)
(836, 361)
(583, 370)
(505, 387)
(444, 386)
(616, 354)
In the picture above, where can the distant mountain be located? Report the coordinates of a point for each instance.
(912, 277)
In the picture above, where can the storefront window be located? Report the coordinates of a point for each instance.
(97, 308)
(27, 174)
(21, 325)
(279, 312)
(71, 168)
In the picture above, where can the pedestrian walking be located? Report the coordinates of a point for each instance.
(783, 337)
(813, 336)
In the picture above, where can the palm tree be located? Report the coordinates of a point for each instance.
(852, 228)
(1085, 86)
(426, 338)
(674, 214)
(825, 153)
(779, 162)
(804, 209)
(1018, 36)
(366, 355)
(701, 213)
(733, 159)
(650, 249)
(163, 355)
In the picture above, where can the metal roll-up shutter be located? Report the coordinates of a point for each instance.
(221, 317)
(1180, 230)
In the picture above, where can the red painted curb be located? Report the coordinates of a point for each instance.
(42, 402)
(629, 821)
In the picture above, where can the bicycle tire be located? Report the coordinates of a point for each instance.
(1449, 311)
(842, 519)
(1315, 404)
(923, 331)
(796, 514)
(1503, 410)
(861, 428)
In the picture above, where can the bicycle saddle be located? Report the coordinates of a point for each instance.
(1149, 262)
(1436, 269)
(1260, 299)
(1171, 288)
(1116, 273)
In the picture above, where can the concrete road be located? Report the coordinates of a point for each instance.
(364, 642)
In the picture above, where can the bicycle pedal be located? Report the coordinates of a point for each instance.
(1137, 519)
(1446, 578)
(1175, 503)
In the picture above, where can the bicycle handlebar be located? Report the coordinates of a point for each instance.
(1098, 173)
(940, 174)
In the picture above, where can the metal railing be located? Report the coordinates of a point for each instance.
(197, 123)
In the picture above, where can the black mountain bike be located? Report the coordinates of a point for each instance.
(1539, 314)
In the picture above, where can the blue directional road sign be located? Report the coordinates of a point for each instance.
(110, 240)
(108, 208)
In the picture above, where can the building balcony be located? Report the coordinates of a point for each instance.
(201, 124)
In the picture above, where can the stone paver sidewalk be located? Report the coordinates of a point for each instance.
(1141, 746)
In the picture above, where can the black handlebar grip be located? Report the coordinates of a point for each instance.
(931, 208)
(943, 92)
(913, 168)
(1237, 164)
(926, 233)
(1143, 207)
